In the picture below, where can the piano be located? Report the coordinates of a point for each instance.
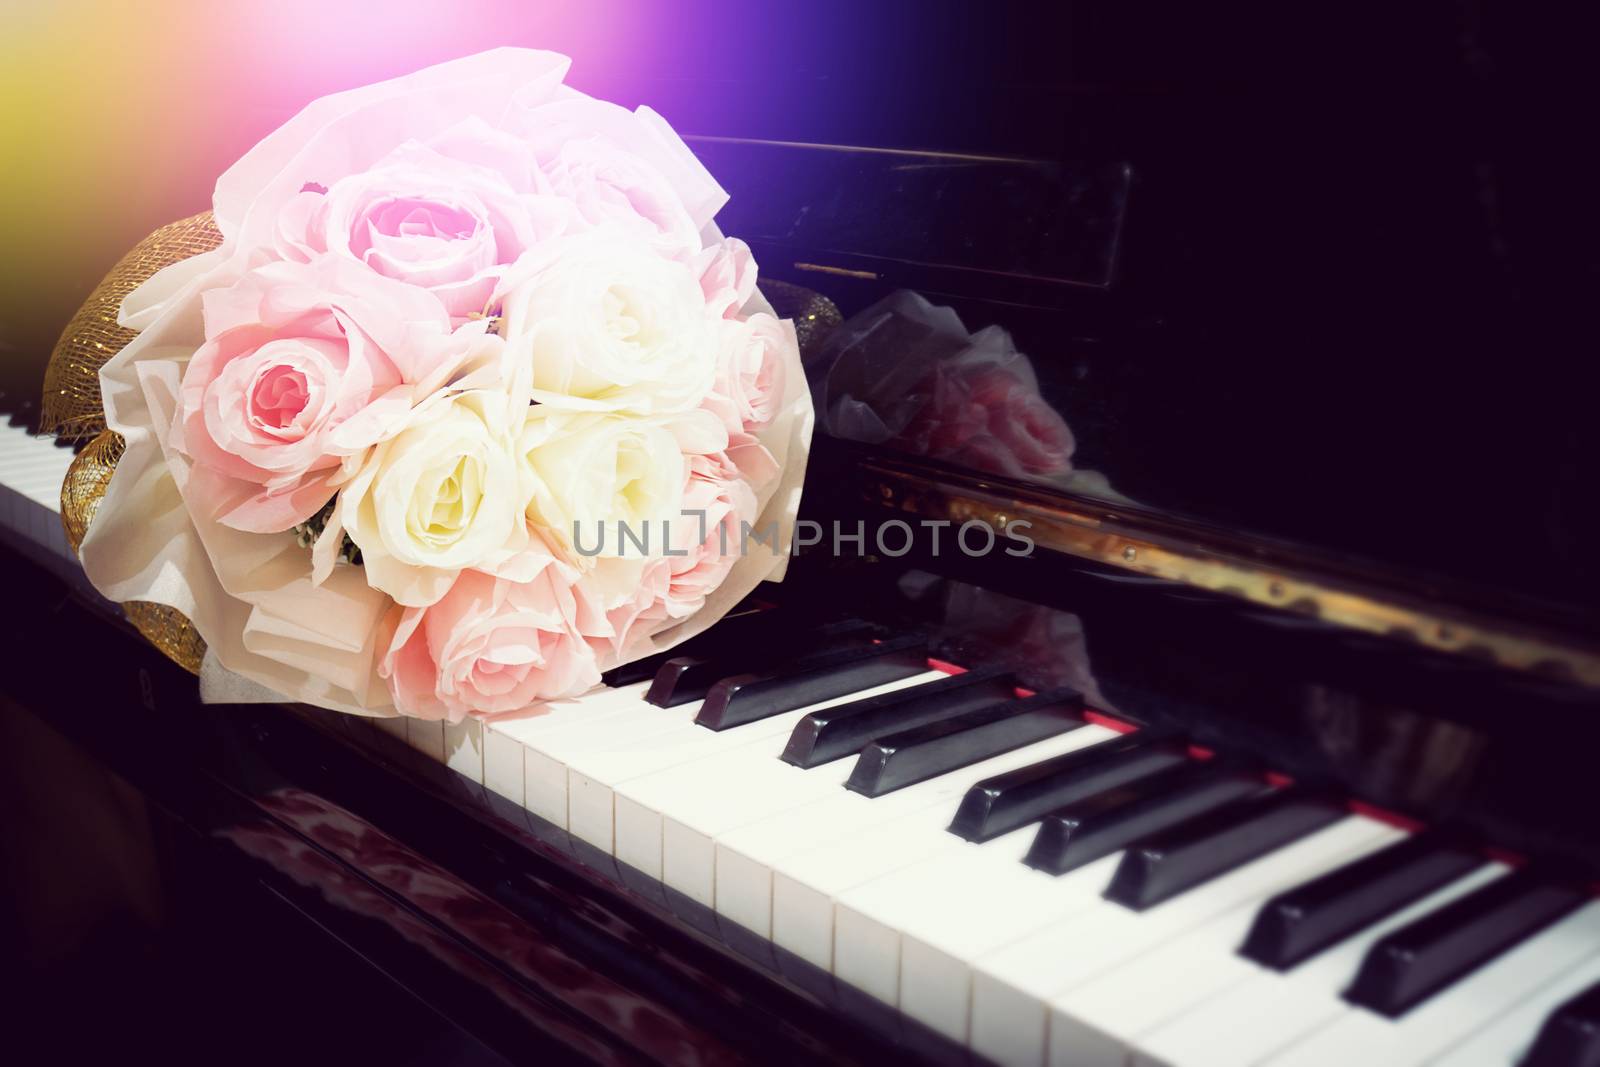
(1270, 741)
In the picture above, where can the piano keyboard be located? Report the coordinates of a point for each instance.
(1030, 880)
(32, 469)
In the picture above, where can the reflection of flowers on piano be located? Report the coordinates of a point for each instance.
(990, 418)
(377, 860)
(1046, 647)
(908, 374)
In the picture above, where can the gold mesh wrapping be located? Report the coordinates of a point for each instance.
(168, 630)
(814, 315)
(72, 406)
(86, 483)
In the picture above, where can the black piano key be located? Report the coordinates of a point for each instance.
(753, 629)
(845, 729)
(1303, 921)
(1159, 868)
(637, 671)
(914, 755)
(1110, 821)
(689, 677)
(1000, 804)
(721, 635)
(748, 697)
(1418, 960)
(1571, 1036)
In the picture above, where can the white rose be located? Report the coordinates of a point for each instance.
(591, 472)
(445, 494)
(609, 325)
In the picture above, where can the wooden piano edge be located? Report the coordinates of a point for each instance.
(866, 1025)
(237, 773)
(1344, 594)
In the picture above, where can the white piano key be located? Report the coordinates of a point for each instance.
(1270, 1010)
(746, 854)
(522, 727)
(546, 758)
(550, 761)
(806, 883)
(41, 486)
(31, 472)
(463, 748)
(666, 822)
(393, 725)
(41, 520)
(539, 792)
(1013, 975)
(1119, 934)
(1447, 1017)
(1119, 1005)
(1505, 1041)
(1065, 934)
(984, 890)
(12, 518)
(595, 774)
(502, 764)
(426, 736)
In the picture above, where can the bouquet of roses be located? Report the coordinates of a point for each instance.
(472, 403)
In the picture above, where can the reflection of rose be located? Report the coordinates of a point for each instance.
(908, 374)
(1045, 647)
(991, 419)
(479, 921)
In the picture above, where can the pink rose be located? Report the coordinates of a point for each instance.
(727, 273)
(449, 217)
(751, 356)
(494, 644)
(637, 610)
(716, 499)
(705, 544)
(607, 185)
(622, 168)
(303, 365)
(443, 175)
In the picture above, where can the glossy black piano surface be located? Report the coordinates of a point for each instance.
(1308, 291)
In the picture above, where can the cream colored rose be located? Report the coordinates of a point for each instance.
(610, 325)
(445, 494)
(591, 472)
